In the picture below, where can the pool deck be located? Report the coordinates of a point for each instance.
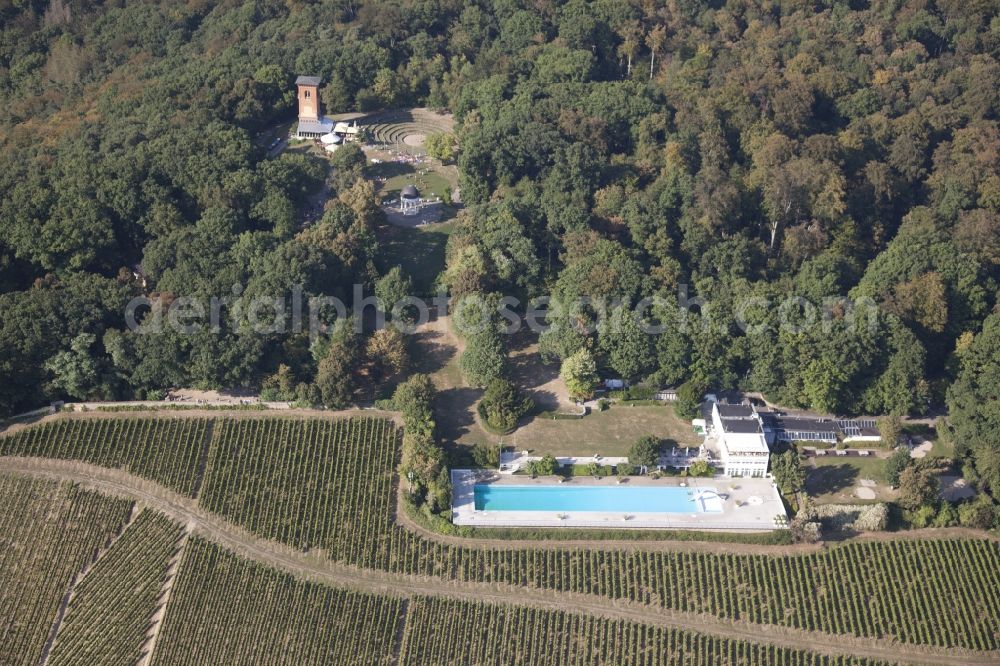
(739, 511)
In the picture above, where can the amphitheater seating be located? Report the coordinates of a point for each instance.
(392, 127)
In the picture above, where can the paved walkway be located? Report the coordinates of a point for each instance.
(511, 461)
(317, 568)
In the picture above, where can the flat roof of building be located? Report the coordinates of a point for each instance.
(807, 425)
(744, 442)
(768, 419)
(741, 425)
(735, 411)
(321, 126)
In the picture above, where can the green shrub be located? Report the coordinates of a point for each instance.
(700, 468)
(486, 456)
(947, 516)
(895, 464)
(645, 451)
(502, 405)
(598, 470)
(633, 393)
(547, 465)
(923, 516)
(979, 513)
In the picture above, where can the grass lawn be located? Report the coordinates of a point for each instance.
(833, 480)
(428, 180)
(939, 448)
(307, 147)
(610, 433)
(419, 251)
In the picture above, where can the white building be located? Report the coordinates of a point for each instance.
(742, 445)
(347, 131)
(409, 200)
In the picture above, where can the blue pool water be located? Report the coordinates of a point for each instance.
(614, 499)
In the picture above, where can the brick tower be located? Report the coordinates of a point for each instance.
(312, 124)
(308, 97)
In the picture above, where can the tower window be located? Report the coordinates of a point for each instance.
(307, 94)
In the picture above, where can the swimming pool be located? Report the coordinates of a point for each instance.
(610, 499)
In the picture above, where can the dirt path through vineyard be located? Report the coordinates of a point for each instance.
(317, 568)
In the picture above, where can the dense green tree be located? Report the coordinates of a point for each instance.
(689, 398)
(335, 377)
(895, 464)
(414, 398)
(890, 428)
(562, 337)
(701, 467)
(579, 372)
(440, 146)
(484, 358)
(770, 153)
(979, 513)
(546, 466)
(975, 406)
(387, 353)
(76, 372)
(391, 290)
(503, 404)
(628, 347)
(918, 486)
(645, 452)
(786, 467)
(280, 386)
(490, 250)
(41, 322)
(338, 357)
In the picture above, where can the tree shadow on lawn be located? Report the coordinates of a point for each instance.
(389, 170)
(433, 352)
(419, 252)
(545, 401)
(455, 412)
(528, 372)
(526, 369)
(831, 478)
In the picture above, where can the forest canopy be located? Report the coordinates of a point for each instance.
(606, 149)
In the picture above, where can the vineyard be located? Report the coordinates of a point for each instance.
(322, 484)
(225, 609)
(111, 606)
(165, 450)
(307, 483)
(444, 632)
(261, 616)
(49, 533)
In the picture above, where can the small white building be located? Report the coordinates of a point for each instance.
(409, 200)
(742, 445)
(347, 131)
